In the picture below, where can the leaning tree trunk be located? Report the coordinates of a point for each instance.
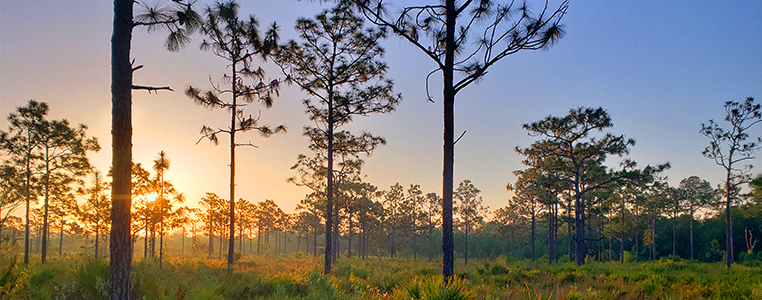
(121, 132)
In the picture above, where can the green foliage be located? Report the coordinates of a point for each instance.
(431, 288)
(90, 279)
(283, 277)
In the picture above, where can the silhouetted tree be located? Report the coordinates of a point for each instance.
(11, 189)
(697, 194)
(63, 160)
(337, 65)
(498, 30)
(469, 208)
(21, 141)
(239, 43)
(178, 18)
(395, 210)
(580, 158)
(728, 147)
(432, 209)
(96, 213)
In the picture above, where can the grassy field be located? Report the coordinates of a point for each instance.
(298, 277)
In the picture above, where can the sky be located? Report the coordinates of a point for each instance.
(660, 68)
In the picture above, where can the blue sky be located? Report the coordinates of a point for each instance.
(661, 68)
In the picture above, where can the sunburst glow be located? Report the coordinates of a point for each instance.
(151, 197)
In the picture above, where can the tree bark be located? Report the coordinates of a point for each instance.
(449, 146)
(532, 234)
(621, 238)
(60, 240)
(121, 131)
(674, 232)
(691, 232)
(579, 230)
(728, 224)
(97, 237)
(329, 187)
(44, 248)
(234, 110)
(28, 194)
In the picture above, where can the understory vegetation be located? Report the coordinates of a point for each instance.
(299, 277)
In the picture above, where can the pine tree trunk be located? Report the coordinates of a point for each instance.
(153, 238)
(121, 131)
(653, 236)
(622, 237)
(28, 195)
(60, 239)
(211, 244)
(44, 247)
(97, 237)
(466, 256)
(579, 230)
(728, 224)
(674, 232)
(568, 228)
(349, 236)
(691, 234)
(161, 247)
(391, 250)
(336, 234)
(329, 186)
(531, 239)
(231, 237)
(448, 142)
(145, 244)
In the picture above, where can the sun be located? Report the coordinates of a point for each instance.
(151, 197)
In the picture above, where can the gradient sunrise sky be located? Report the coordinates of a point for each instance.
(660, 68)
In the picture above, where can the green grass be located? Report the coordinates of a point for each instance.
(298, 277)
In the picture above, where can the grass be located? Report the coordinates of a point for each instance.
(298, 277)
